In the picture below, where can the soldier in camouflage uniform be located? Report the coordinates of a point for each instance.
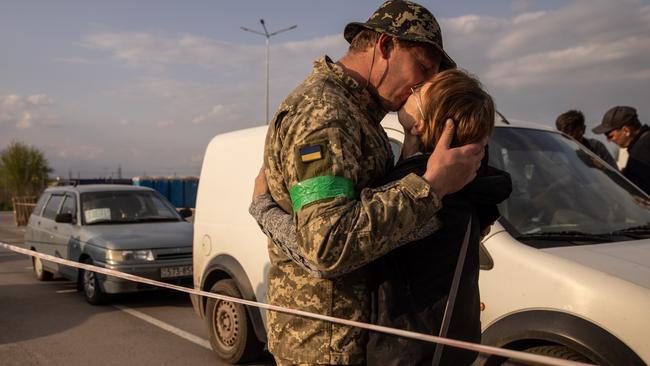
(324, 146)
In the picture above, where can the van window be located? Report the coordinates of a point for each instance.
(52, 206)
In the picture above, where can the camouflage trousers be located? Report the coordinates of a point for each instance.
(281, 362)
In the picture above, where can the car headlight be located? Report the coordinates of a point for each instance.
(118, 256)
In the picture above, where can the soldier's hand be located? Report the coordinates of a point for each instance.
(260, 187)
(449, 170)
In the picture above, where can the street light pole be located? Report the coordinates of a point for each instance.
(267, 35)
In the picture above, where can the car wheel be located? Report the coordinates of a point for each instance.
(41, 274)
(92, 291)
(231, 333)
(557, 351)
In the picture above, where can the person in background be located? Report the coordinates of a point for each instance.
(621, 125)
(572, 123)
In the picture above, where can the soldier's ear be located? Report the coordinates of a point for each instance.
(385, 45)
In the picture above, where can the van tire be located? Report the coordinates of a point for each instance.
(39, 271)
(556, 351)
(231, 333)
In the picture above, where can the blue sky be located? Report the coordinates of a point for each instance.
(146, 84)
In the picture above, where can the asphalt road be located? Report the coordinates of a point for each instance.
(50, 323)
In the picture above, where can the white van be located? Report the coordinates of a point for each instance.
(565, 271)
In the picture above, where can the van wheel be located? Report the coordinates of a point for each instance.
(231, 333)
(41, 274)
(92, 292)
(557, 351)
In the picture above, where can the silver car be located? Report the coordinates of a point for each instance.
(125, 228)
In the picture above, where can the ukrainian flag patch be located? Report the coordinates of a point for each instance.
(310, 153)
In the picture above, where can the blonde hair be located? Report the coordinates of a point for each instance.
(460, 96)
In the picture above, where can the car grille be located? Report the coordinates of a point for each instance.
(173, 253)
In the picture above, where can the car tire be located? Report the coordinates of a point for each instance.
(39, 271)
(90, 286)
(231, 333)
(557, 351)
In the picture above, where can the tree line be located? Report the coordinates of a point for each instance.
(24, 171)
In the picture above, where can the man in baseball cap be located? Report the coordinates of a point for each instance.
(324, 148)
(621, 125)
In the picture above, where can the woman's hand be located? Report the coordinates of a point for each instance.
(261, 187)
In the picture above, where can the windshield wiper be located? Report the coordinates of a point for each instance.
(156, 219)
(631, 231)
(567, 235)
(105, 222)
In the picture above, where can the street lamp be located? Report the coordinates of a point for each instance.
(268, 36)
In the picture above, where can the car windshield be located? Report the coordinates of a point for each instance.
(124, 207)
(562, 189)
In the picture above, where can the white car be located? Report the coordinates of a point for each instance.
(565, 271)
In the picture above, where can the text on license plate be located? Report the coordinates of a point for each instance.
(178, 271)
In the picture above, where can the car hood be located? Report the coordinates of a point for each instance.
(139, 236)
(628, 260)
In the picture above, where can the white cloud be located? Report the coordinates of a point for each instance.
(73, 60)
(582, 64)
(528, 17)
(163, 124)
(232, 74)
(80, 152)
(470, 25)
(584, 42)
(147, 50)
(156, 52)
(26, 112)
(547, 59)
(215, 113)
(522, 5)
(196, 159)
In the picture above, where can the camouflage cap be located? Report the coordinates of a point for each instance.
(404, 20)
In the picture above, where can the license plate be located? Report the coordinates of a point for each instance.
(179, 271)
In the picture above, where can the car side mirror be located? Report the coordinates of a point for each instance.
(64, 218)
(186, 212)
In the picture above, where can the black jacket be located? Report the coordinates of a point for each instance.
(637, 168)
(413, 281)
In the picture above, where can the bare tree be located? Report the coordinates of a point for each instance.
(23, 169)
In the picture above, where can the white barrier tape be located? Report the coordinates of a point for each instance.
(507, 353)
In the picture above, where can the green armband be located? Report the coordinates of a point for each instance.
(320, 188)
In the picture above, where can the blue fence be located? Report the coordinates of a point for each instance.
(181, 192)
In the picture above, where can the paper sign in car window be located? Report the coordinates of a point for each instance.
(97, 214)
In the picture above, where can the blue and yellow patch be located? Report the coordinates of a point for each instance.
(310, 153)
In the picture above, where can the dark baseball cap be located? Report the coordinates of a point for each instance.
(404, 20)
(616, 118)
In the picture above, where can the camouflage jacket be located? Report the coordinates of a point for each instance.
(323, 148)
